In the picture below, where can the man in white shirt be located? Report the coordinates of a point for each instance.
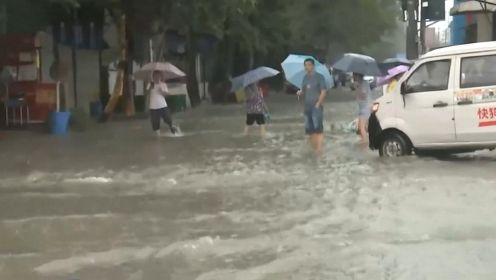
(158, 104)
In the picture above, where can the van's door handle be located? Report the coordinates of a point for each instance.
(440, 105)
(465, 102)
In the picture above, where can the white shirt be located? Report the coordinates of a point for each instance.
(157, 99)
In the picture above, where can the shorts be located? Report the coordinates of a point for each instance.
(156, 115)
(255, 118)
(314, 120)
(364, 109)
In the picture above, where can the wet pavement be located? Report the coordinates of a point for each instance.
(115, 203)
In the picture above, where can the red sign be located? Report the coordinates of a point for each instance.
(487, 117)
(12, 45)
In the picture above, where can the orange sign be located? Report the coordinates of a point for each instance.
(45, 96)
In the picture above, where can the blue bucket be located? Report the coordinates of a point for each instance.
(59, 122)
(96, 109)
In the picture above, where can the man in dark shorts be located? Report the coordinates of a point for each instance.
(314, 89)
(255, 108)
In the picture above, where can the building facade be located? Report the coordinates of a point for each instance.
(473, 21)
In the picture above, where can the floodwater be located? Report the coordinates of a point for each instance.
(116, 204)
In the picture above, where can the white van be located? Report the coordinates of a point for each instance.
(446, 103)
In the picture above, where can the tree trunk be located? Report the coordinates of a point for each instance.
(229, 60)
(192, 80)
(120, 84)
(74, 57)
(130, 109)
(251, 62)
(219, 84)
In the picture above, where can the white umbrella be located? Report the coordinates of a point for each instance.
(168, 71)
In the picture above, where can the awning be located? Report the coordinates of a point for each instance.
(474, 6)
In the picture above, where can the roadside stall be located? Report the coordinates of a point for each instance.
(27, 99)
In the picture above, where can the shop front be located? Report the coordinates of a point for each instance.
(26, 98)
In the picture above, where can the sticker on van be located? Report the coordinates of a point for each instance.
(477, 95)
(487, 117)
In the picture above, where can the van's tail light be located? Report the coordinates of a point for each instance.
(375, 107)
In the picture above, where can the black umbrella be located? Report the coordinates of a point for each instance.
(358, 63)
(393, 62)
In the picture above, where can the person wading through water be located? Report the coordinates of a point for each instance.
(314, 90)
(158, 106)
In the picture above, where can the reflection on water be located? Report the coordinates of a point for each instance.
(217, 206)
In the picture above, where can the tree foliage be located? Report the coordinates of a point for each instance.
(260, 27)
(342, 25)
(252, 32)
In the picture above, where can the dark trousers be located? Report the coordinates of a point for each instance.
(157, 114)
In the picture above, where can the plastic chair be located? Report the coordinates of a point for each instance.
(19, 108)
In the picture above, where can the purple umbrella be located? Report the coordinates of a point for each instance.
(393, 72)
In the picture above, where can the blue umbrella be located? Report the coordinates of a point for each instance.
(251, 77)
(294, 70)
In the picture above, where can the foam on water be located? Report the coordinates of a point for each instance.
(18, 256)
(101, 259)
(89, 180)
(47, 219)
(263, 210)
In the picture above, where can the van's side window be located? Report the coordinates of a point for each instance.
(478, 71)
(430, 76)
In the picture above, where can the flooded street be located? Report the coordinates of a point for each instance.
(115, 203)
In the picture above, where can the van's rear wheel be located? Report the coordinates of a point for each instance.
(394, 145)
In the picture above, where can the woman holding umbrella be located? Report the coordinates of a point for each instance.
(159, 72)
(360, 65)
(364, 99)
(158, 106)
(254, 87)
(255, 108)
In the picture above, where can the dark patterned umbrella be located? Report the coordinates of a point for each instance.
(358, 63)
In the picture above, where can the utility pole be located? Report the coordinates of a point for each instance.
(430, 11)
(423, 27)
(422, 12)
(412, 49)
(3, 18)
